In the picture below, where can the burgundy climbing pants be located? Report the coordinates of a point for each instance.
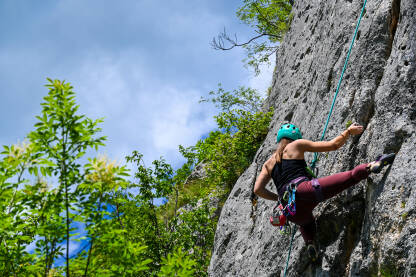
(306, 197)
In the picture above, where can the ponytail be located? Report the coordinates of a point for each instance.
(280, 148)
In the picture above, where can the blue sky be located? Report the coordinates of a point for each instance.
(142, 65)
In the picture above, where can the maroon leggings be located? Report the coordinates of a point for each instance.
(306, 199)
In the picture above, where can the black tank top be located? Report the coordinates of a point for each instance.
(287, 170)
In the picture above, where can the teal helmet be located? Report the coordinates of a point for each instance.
(289, 131)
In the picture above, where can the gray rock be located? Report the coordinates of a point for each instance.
(199, 172)
(370, 229)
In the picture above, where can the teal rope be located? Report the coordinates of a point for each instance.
(290, 249)
(315, 159)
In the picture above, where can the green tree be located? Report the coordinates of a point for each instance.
(154, 182)
(224, 155)
(63, 137)
(193, 230)
(103, 179)
(127, 233)
(16, 227)
(270, 20)
(177, 264)
(242, 126)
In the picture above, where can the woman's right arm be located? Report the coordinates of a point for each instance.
(326, 146)
(261, 182)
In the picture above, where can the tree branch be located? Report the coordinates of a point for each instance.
(219, 42)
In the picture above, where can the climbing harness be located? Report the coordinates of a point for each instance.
(281, 211)
(318, 191)
(315, 159)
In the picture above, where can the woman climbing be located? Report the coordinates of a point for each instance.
(287, 168)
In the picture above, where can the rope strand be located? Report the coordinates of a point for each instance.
(315, 159)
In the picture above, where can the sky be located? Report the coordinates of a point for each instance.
(142, 65)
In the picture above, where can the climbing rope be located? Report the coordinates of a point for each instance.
(290, 249)
(315, 159)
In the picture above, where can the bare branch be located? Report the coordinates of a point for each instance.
(219, 42)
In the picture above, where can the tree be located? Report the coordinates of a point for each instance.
(154, 182)
(103, 179)
(242, 127)
(270, 20)
(17, 227)
(63, 137)
(48, 192)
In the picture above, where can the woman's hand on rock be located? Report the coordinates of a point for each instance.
(355, 129)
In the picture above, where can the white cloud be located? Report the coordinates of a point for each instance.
(180, 121)
(141, 65)
(264, 80)
(141, 112)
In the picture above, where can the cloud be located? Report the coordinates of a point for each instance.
(264, 80)
(141, 65)
(181, 121)
(141, 112)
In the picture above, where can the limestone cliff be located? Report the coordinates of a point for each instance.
(370, 229)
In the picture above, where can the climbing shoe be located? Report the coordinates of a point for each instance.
(380, 162)
(312, 253)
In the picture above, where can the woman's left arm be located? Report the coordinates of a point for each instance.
(260, 185)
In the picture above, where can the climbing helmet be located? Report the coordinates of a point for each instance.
(289, 131)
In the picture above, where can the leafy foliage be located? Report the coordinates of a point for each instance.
(270, 17)
(177, 264)
(242, 128)
(246, 99)
(51, 198)
(17, 226)
(63, 137)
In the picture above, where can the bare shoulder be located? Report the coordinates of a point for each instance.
(296, 149)
(300, 145)
(301, 142)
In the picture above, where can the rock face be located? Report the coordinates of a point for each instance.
(369, 229)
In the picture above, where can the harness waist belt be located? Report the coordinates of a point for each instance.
(294, 182)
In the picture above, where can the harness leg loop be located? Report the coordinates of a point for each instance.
(318, 190)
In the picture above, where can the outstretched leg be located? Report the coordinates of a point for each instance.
(307, 199)
(335, 184)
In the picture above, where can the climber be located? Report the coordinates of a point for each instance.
(287, 165)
